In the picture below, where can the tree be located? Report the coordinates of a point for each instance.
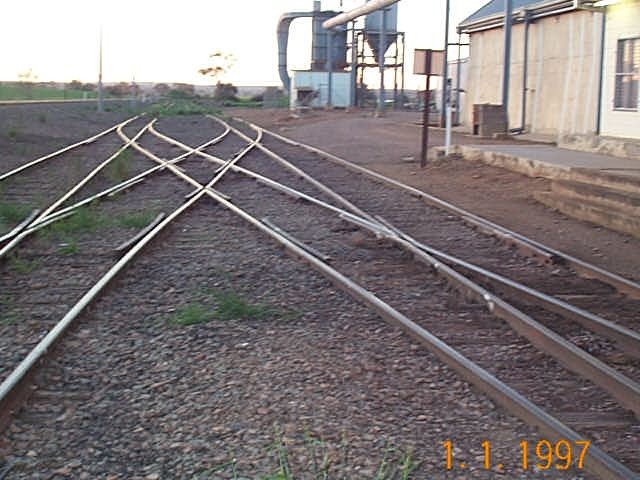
(27, 79)
(120, 89)
(182, 90)
(221, 63)
(225, 91)
(161, 89)
(75, 85)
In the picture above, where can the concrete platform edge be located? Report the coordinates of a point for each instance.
(538, 168)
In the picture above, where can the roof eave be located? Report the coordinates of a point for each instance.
(543, 9)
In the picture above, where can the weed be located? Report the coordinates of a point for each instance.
(11, 213)
(191, 314)
(8, 316)
(395, 465)
(136, 219)
(12, 133)
(180, 107)
(84, 220)
(319, 455)
(282, 456)
(228, 306)
(232, 306)
(119, 168)
(23, 265)
(70, 248)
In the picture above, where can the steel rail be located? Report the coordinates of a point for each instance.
(126, 183)
(8, 388)
(288, 165)
(623, 389)
(86, 141)
(227, 164)
(596, 460)
(628, 339)
(589, 270)
(371, 224)
(21, 226)
(42, 216)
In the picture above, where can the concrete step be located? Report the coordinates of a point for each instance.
(605, 178)
(591, 212)
(554, 163)
(620, 201)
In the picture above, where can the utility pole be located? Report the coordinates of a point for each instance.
(381, 52)
(100, 101)
(508, 10)
(445, 66)
(329, 68)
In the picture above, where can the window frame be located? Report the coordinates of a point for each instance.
(635, 41)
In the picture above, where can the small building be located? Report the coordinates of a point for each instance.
(575, 84)
(620, 102)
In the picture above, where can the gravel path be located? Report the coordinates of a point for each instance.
(132, 394)
(456, 238)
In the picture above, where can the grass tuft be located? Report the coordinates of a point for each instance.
(11, 213)
(191, 314)
(85, 220)
(136, 219)
(7, 314)
(321, 465)
(232, 306)
(226, 305)
(22, 265)
(118, 169)
(175, 107)
(70, 248)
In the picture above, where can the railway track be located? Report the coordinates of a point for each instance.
(339, 231)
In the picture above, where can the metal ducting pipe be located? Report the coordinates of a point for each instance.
(369, 7)
(283, 40)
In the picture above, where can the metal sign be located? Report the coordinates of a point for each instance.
(428, 62)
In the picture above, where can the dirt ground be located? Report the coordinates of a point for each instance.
(391, 145)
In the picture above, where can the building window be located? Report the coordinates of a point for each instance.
(627, 74)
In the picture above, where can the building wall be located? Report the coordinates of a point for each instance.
(562, 79)
(319, 82)
(623, 21)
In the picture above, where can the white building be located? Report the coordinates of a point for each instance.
(575, 86)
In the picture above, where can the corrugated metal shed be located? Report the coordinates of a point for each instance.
(492, 14)
(496, 7)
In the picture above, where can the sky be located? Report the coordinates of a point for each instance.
(168, 41)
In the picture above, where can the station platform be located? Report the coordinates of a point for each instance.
(601, 189)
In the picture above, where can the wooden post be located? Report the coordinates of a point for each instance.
(425, 112)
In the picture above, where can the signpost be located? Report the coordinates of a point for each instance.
(427, 62)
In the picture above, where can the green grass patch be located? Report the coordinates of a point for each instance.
(7, 314)
(232, 306)
(321, 463)
(119, 168)
(22, 265)
(191, 314)
(11, 214)
(70, 248)
(12, 133)
(137, 220)
(27, 91)
(243, 102)
(175, 107)
(88, 220)
(85, 220)
(225, 306)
